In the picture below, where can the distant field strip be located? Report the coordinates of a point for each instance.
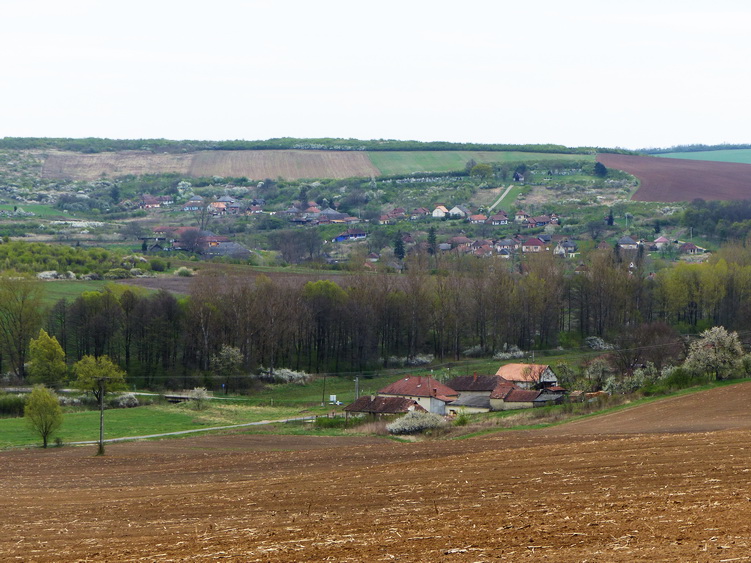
(408, 162)
(289, 164)
(258, 165)
(79, 166)
(742, 156)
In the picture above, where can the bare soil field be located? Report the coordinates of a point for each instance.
(289, 164)
(667, 481)
(670, 179)
(256, 165)
(78, 166)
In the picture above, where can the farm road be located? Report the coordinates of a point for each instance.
(194, 431)
(500, 198)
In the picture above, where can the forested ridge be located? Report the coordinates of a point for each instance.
(95, 145)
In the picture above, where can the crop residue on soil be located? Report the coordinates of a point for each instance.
(624, 487)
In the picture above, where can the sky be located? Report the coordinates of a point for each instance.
(634, 74)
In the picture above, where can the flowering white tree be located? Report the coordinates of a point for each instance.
(717, 353)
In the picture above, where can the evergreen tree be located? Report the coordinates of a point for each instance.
(399, 246)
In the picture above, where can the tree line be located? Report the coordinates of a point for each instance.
(96, 145)
(469, 307)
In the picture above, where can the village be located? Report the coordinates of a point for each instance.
(513, 386)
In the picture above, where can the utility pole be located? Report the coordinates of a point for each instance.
(357, 387)
(100, 451)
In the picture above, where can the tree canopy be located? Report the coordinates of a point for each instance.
(47, 364)
(43, 412)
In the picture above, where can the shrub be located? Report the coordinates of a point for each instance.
(127, 401)
(200, 397)
(418, 360)
(508, 353)
(283, 375)
(462, 419)
(414, 422)
(117, 274)
(597, 343)
(12, 405)
(334, 422)
(184, 272)
(157, 265)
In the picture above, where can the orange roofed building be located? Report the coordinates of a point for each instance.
(529, 376)
(429, 393)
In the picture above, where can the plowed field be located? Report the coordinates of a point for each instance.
(668, 481)
(671, 179)
(256, 165)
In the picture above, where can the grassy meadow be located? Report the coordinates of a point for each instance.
(407, 162)
(142, 421)
(741, 156)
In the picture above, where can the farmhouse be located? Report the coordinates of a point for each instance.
(430, 394)
(440, 212)
(350, 234)
(380, 406)
(529, 376)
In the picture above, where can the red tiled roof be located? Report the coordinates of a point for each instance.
(384, 405)
(418, 386)
(522, 372)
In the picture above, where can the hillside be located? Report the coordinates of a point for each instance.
(669, 179)
(287, 164)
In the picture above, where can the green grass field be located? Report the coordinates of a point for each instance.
(53, 291)
(407, 162)
(40, 210)
(141, 421)
(741, 156)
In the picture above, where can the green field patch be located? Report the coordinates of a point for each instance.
(142, 421)
(408, 162)
(37, 209)
(741, 156)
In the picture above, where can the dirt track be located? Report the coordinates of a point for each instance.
(623, 487)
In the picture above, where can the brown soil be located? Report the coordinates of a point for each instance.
(673, 179)
(256, 165)
(668, 481)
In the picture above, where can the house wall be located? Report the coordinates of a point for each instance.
(501, 405)
(452, 411)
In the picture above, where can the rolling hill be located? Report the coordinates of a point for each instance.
(287, 164)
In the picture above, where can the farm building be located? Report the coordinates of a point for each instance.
(430, 394)
(528, 376)
(381, 406)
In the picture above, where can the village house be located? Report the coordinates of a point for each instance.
(440, 212)
(520, 216)
(533, 245)
(660, 242)
(459, 212)
(478, 219)
(627, 243)
(528, 376)
(498, 219)
(430, 394)
(689, 248)
(378, 407)
(565, 249)
(350, 234)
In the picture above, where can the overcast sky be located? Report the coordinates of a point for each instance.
(638, 74)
